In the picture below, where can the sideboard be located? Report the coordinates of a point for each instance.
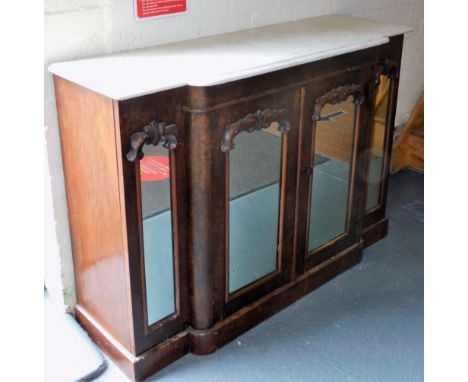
(211, 183)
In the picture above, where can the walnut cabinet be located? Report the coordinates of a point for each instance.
(199, 211)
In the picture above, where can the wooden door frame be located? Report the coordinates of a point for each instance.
(332, 90)
(133, 116)
(389, 68)
(224, 119)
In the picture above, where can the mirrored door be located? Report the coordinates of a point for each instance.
(254, 199)
(379, 147)
(259, 151)
(156, 227)
(155, 176)
(377, 143)
(332, 163)
(328, 195)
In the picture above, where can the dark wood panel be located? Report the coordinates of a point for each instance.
(203, 247)
(207, 98)
(209, 200)
(375, 232)
(131, 116)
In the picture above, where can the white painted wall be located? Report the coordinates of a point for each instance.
(83, 28)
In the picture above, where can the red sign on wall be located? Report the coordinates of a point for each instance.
(155, 8)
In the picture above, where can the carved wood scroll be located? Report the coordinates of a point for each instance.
(337, 95)
(152, 134)
(389, 68)
(261, 119)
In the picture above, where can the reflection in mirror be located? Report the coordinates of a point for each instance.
(254, 189)
(157, 232)
(377, 143)
(334, 136)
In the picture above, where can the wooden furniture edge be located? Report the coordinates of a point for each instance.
(375, 232)
(137, 368)
(86, 123)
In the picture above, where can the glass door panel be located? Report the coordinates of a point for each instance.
(379, 125)
(155, 172)
(334, 136)
(254, 192)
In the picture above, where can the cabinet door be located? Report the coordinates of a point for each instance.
(332, 158)
(254, 154)
(154, 180)
(379, 140)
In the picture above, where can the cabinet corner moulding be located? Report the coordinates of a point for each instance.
(259, 120)
(389, 68)
(152, 134)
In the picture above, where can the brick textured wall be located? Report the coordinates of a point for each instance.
(82, 28)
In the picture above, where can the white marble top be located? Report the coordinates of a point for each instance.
(223, 58)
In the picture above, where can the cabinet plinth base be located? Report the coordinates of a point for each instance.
(375, 232)
(207, 341)
(140, 367)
